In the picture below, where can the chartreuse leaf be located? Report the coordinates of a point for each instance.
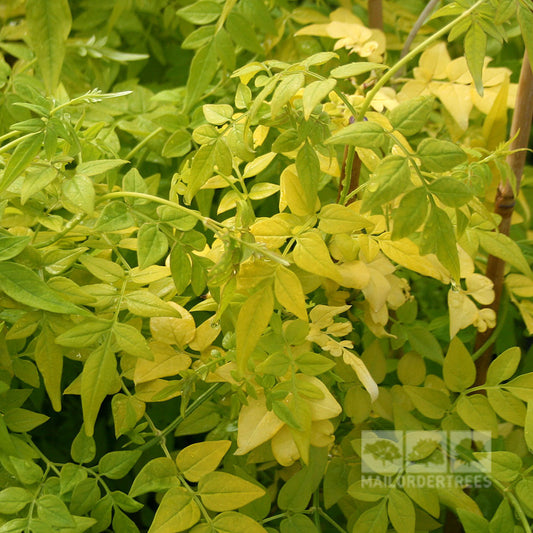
(525, 18)
(114, 217)
(99, 378)
(472, 522)
(507, 406)
(286, 89)
(99, 166)
(475, 47)
(411, 116)
(201, 170)
(221, 491)
(54, 512)
(131, 341)
(121, 522)
(11, 246)
(500, 245)
(401, 511)
(314, 93)
(297, 491)
(176, 512)
(83, 447)
(410, 214)
(252, 320)
(432, 403)
(155, 476)
(242, 32)
(297, 523)
(26, 287)
(49, 25)
(354, 69)
(450, 191)
(49, 359)
(202, 70)
(85, 495)
(86, 333)
(528, 426)
(101, 268)
(152, 245)
(503, 466)
(477, 413)
(77, 194)
(201, 458)
(202, 12)
(308, 169)
(504, 366)
(21, 420)
(312, 254)
(14, 499)
(289, 292)
(21, 158)
(459, 371)
(361, 134)
(391, 178)
(115, 465)
(503, 519)
(373, 520)
(439, 156)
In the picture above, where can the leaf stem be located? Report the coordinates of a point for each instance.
(145, 141)
(405, 60)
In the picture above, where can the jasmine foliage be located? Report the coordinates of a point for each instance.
(211, 284)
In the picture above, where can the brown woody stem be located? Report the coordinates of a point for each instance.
(505, 201)
(375, 14)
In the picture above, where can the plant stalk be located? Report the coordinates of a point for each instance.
(506, 199)
(375, 14)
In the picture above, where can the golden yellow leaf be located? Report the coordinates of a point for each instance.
(167, 362)
(284, 448)
(146, 392)
(289, 292)
(325, 407)
(206, 333)
(480, 288)
(256, 425)
(362, 373)
(462, 311)
(293, 195)
(311, 254)
(170, 330)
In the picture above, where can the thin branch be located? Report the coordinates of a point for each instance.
(505, 201)
(375, 14)
(420, 21)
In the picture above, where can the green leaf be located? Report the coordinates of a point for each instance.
(297, 491)
(314, 93)
(98, 379)
(202, 12)
(410, 214)
(54, 512)
(78, 194)
(232, 522)
(217, 114)
(425, 497)
(362, 134)
(152, 244)
(83, 447)
(401, 511)
(475, 48)
(242, 32)
(85, 495)
(451, 192)
(115, 465)
(354, 69)
(312, 254)
(177, 145)
(14, 499)
(201, 458)
(336, 218)
(297, 523)
(84, 334)
(504, 366)
(411, 116)
(439, 156)
(528, 426)
(176, 512)
(130, 340)
(459, 370)
(472, 522)
(521, 386)
(11, 246)
(201, 170)
(123, 523)
(373, 520)
(252, 320)
(21, 420)
(155, 476)
(114, 217)
(525, 18)
(49, 23)
(99, 166)
(424, 342)
(503, 466)
(503, 519)
(26, 287)
(391, 178)
(507, 406)
(286, 89)
(439, 236)
(308, 169)
(202, 70)
(144, 303)
(21, 159)
(103, 269)
(500, 245)
(432, 403)
(477, 413)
